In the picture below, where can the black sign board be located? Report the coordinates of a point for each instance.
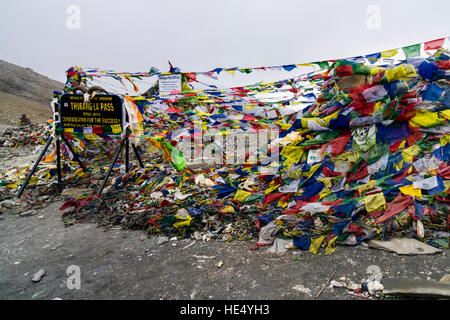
(101, 110)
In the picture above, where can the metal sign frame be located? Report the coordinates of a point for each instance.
(56, 107)
(95, 105)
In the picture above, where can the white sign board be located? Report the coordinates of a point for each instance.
(169, 83)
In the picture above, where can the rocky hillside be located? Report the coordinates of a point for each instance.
(24, 91)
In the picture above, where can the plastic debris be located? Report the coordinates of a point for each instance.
(416, 287)
(445, 279)
(344, 283)
(281, 245)
(302, 289)
(28, 213)
(404, 246)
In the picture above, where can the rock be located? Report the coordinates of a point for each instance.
(161, 240)
(7, 204)
(73, 192)
(301, 288)
(203, 257)
(194, 293)
(38, 275)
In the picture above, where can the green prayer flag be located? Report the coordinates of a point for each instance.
(245, 70)
(178, 160)
(412, 51)
(322, 64)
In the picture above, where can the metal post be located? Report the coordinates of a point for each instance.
(58, 161)
(127, 155)
(127, 147)
(137, 155)
(49, 140)
(99, 192)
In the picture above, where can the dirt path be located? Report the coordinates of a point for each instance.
(121, 264)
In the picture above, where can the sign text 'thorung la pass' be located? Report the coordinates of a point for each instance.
(101, 110)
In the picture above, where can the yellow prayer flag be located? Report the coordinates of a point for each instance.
(425, 118)
(324, 193)
(305, 65)
(292, 153)
(269, 190)
(366, 187)
(326, 182)
(228, 209)
(445, 139)
(374, 70)
(186, 222)
(285, 126)
(116, 128)
(315, 244)
(282, 203)
(378, 106)
(331, 246)
(374, 201)
(446, 185)
(389, 53)
(50, 157)
(410, 190)
(409, 153)
(241, 195)
(399, 166)
(399, 72)
(312, 170)
(91, 136)
(445, 113)
(230, 71)
(79, 172)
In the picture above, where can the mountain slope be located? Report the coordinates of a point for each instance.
(24, 91)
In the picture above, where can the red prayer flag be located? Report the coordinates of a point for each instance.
(434, 44)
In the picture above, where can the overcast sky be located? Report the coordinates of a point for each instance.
(200, 35)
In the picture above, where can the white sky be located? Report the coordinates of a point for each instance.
(200, 35)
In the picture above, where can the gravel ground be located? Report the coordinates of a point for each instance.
(122, 264)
